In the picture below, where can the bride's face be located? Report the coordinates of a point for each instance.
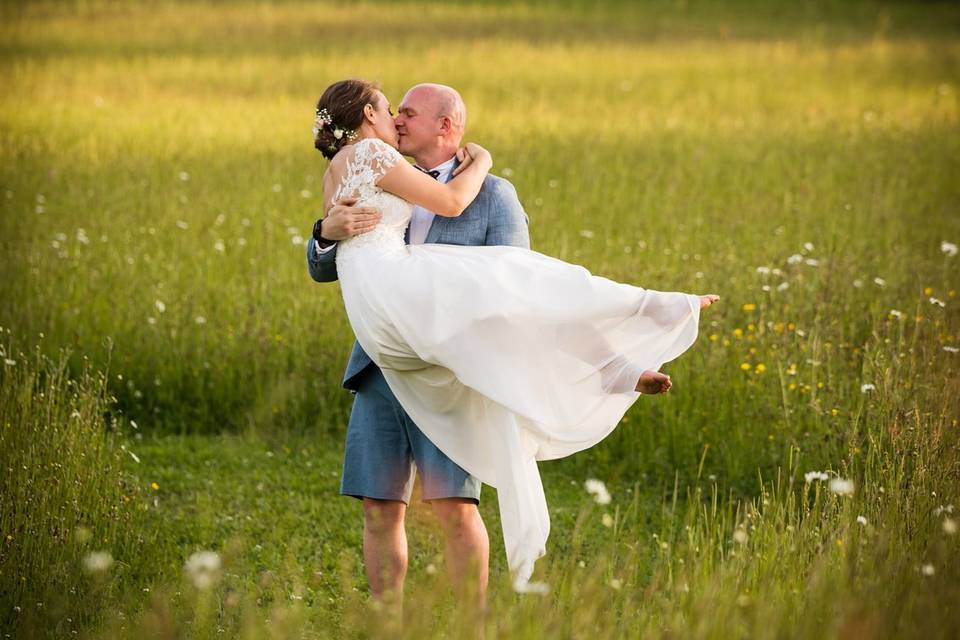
(380, 117)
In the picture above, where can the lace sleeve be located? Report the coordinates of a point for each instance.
(372, 159)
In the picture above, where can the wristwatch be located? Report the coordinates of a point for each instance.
(322, 242)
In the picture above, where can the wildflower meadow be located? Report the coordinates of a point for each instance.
(171, 417)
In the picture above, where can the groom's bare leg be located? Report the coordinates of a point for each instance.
(467, 546)
(385, 548)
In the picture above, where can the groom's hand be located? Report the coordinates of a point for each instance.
(344, 220)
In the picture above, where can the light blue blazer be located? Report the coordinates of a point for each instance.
(495, 217)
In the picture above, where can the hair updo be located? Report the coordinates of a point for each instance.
(342, 103)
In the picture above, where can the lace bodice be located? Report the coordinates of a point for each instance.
(372, 159)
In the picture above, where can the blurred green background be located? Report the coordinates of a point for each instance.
(158, 182)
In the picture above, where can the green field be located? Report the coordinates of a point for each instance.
(170, 376)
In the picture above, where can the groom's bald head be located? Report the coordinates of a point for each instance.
(430, 121)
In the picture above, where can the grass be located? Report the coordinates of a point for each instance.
(158, 181)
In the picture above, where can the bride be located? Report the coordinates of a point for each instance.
(501, 355)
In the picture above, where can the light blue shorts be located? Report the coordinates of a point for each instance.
(385, 449)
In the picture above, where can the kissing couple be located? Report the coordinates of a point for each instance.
(475, 357)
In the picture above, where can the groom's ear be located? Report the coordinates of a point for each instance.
(446, 125)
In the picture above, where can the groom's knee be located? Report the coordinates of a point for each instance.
(457, 515)
(383, 516)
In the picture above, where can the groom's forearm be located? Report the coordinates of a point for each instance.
(322, 265)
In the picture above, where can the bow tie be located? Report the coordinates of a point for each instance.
(433, 173)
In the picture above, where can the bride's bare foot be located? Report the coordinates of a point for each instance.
(707, 300)
(653, 382)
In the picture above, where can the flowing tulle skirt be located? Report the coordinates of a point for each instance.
(504, 356)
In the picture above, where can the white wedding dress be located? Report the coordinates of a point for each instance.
(502, 356)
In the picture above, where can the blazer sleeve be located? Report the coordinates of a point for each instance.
(322, 265)
(507, 222)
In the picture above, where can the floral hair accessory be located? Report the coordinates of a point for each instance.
(324, 119)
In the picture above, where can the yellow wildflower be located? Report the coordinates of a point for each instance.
(928, 291)
(834, 412)
(760, 368)
(745, 366)
(749, 306)
(751, 327)
(738, 332)
(793, 385)
(154, 486)
(713, 336)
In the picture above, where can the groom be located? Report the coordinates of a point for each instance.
(383, 444)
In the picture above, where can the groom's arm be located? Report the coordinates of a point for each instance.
(507, 221)
(321, 263)
(344, 220)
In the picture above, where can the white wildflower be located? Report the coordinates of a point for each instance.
(763, 270)
(813, 262)
(431, 569)
(184, 176)
(535, 588)
(943, 509)
(297, 240)
(948, 248)
(880, 282)
(203, 568)
(306, 194)
(795, 259)
(219, 246)
(740, 536)
(160, 306)
(82, 237)
(938, 302)
(858, 283)
(200, 320)
(616, 584)
(899, 315)
(862, 521)
(927, 569)
(97, 561)
(810, 476)
(783, 286)
(808, 246)
(841, 487)
(866, 386)
(598, 490)
(607, 520)
(950, 349)
(949, 526)
(9, 362)
(182, 224)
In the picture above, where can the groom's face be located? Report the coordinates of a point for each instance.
(418, 125)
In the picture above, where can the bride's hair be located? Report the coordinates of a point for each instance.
(340, 113)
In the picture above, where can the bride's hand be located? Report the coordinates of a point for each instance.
(470, 153)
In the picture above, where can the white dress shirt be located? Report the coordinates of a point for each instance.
(420, 218)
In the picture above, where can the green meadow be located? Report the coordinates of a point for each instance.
(170, 373)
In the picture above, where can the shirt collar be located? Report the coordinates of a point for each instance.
(444, 168)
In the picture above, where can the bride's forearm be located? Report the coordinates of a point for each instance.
(467, 184)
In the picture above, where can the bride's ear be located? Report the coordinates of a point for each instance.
(368, 112)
